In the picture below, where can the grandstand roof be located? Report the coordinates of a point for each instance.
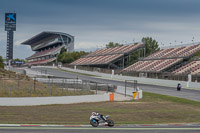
(178, 52)
(43, 35)
(116, 50)
(106, 56)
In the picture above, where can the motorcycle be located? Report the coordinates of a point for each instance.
(95, 121)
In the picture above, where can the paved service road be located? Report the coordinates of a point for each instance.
(171, 91)
(99, 130)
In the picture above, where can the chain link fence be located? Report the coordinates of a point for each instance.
(50, 86)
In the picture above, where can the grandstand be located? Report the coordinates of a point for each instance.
(47, 45)
(190, 68)
(168, 60)
(179, 52)
(109, 57)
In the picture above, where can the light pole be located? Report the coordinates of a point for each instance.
(193, 40)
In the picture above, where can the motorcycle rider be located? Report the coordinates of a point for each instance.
(97, 114)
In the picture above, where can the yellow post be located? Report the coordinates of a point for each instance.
(134, 95)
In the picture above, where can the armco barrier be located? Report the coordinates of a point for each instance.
(31, 101)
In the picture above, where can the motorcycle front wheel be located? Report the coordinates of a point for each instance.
(110, 123)
(94, 123)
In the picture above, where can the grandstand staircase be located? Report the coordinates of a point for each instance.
(111, 65)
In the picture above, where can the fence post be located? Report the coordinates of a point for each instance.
(15, 83)
(77, 83)
(135, 85)
(74, 86)
(18, 83)
(63, 86)
(96, 87)
(82, 86)
(51, 90)
(66, 88)
(125, 88)
(49, 87)
(107, 89)
(34, 84)
(31, 91)
(10, 91)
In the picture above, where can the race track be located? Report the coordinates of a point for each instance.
(130, 129)
(171, 91)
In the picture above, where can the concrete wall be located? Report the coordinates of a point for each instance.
(31, 101)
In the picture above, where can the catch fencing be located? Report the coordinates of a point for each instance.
(50, 86)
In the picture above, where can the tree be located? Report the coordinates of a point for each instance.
(151, 45)
(66, 57)
(112, 44)
(17, 59)
(133, 58)
(62, 50)
(1, 62)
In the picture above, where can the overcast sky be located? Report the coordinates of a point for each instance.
(94, 23)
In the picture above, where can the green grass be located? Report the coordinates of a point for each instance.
(152, 109)
(152, 96)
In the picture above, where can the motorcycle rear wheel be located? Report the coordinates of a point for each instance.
(110, 123)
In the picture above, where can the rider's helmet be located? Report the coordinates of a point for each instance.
(94, 113)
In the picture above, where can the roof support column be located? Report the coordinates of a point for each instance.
(123, 62)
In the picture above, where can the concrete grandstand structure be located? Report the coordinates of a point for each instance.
(47, 45)
(169, 59)
(192, 68)
(114, 58)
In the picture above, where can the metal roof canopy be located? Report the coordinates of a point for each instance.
(43, 35)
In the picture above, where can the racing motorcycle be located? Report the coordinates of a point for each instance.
(95, 121)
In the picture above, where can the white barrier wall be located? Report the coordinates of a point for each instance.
(31, 101)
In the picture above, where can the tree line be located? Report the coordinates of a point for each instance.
(67, 57)
(1, 62)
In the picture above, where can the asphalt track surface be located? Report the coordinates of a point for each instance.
(156, 129)
(171, 91)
